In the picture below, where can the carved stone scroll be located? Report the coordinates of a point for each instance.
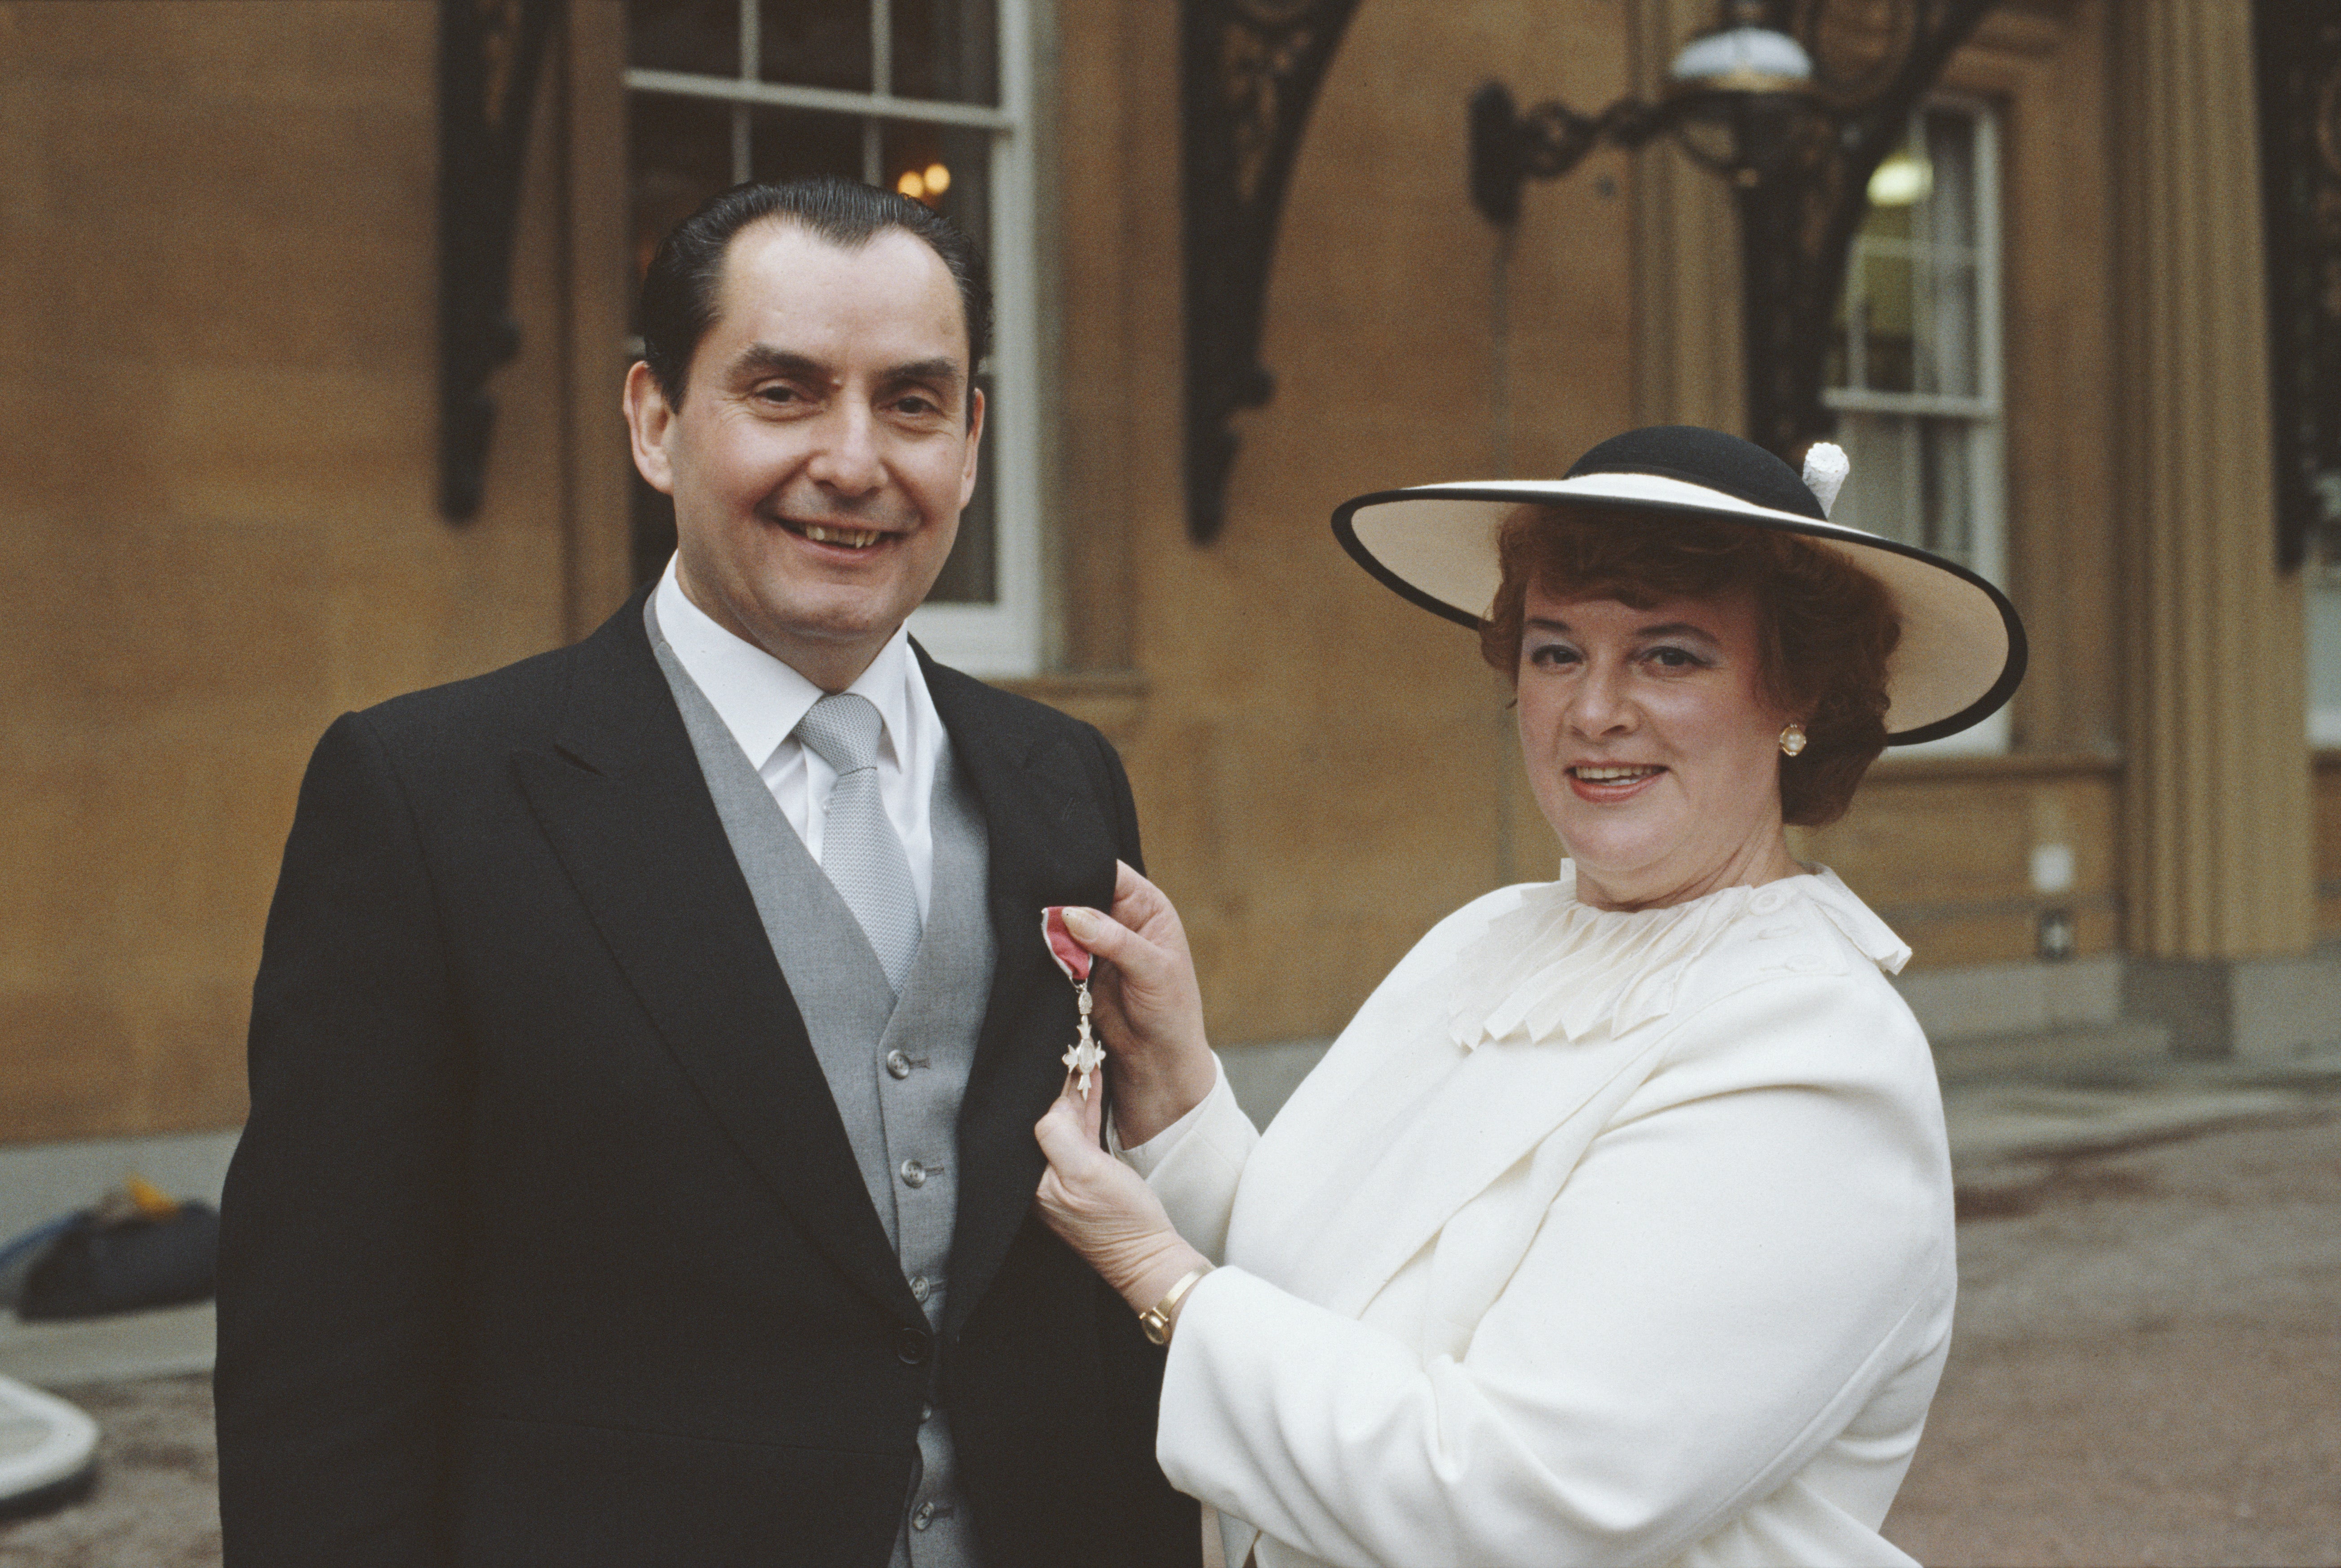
(1250, 71)
(491, 53)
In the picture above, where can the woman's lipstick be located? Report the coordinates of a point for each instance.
(1607, 783)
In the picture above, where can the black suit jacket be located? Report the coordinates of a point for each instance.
(544, 1243)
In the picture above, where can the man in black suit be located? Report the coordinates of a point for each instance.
(643, 1078)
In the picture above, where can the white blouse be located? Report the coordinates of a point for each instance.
(1597, 1237)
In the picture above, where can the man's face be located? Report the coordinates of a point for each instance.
(825, 444)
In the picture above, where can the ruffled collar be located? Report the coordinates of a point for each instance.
(1552, 968)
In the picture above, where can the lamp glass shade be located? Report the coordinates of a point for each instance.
(1743, 60)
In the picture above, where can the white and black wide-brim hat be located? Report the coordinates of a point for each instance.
(1962, 650)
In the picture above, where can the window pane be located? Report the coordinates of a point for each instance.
(790, 143)
(680, 155)
(1886, 305)
(947, 49)
(1877, 490)
(948, 167)
(1896, 223)
(1949, 365)
(1947, 488)
(2324, 656)
(1951, 154)
(701, 36)
(1913, 479)
(816, 43)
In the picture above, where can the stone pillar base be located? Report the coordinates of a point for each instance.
(2251, 1007)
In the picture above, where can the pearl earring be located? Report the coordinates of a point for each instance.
(1792, 737)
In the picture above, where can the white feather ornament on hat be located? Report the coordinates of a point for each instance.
(1826, 466)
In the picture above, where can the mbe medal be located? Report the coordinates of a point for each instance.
(1084, 1056)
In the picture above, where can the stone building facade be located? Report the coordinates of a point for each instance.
(219, 510)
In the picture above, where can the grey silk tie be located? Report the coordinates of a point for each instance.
(859, 848)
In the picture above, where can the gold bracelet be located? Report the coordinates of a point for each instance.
(1156, 1319)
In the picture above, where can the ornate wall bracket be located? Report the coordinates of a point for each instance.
(2298, 43)
(491, 53)
(1248, 74)
(1803, 186)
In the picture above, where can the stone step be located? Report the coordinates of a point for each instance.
(2072, 1054)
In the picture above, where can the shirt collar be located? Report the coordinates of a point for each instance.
(760, 698)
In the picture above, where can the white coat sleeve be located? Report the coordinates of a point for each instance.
(1194, 1165)
(1754, 1243)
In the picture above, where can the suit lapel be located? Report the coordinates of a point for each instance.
(1050, 842)
(623, 803)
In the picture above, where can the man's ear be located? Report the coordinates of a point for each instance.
(647, 419)
(974, 443)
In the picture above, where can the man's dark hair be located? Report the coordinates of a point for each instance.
(679, 304)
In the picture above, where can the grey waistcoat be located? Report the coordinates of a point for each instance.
(897, 1069)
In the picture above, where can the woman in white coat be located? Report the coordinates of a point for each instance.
(1616, 1228)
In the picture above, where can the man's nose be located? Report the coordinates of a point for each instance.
(847, 458)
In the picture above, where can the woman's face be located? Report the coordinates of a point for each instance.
(1651, 747)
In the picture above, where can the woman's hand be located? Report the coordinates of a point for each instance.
(1102, 1209)
(1149, 1008)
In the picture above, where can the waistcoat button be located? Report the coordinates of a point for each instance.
(914, 1174)
(920, 1289)
(898, 1064)
(914, 1345)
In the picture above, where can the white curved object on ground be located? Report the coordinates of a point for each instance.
(45, 1442)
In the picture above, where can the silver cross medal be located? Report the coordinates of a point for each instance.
(1084, 1056)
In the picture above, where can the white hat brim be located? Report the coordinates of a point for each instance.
(1962, 650)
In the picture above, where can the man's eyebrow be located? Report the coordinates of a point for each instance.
(764, 360)
(945, 371)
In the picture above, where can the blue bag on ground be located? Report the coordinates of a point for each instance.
(106, 1263)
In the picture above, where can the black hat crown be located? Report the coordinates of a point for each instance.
(1709, 457)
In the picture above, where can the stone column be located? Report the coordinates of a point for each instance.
(2218, 849)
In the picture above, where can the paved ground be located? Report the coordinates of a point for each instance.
(2147, 1360)
(154, 1505)
(2145, 1373)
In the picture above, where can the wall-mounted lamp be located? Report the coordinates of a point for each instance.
(1798, 132)
(1712, 101)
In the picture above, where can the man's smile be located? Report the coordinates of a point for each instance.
(834, 534)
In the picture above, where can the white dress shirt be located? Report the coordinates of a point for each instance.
(761, 700)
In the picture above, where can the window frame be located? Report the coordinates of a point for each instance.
(1002, 638)
(1984, 414)
(2321, 640)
